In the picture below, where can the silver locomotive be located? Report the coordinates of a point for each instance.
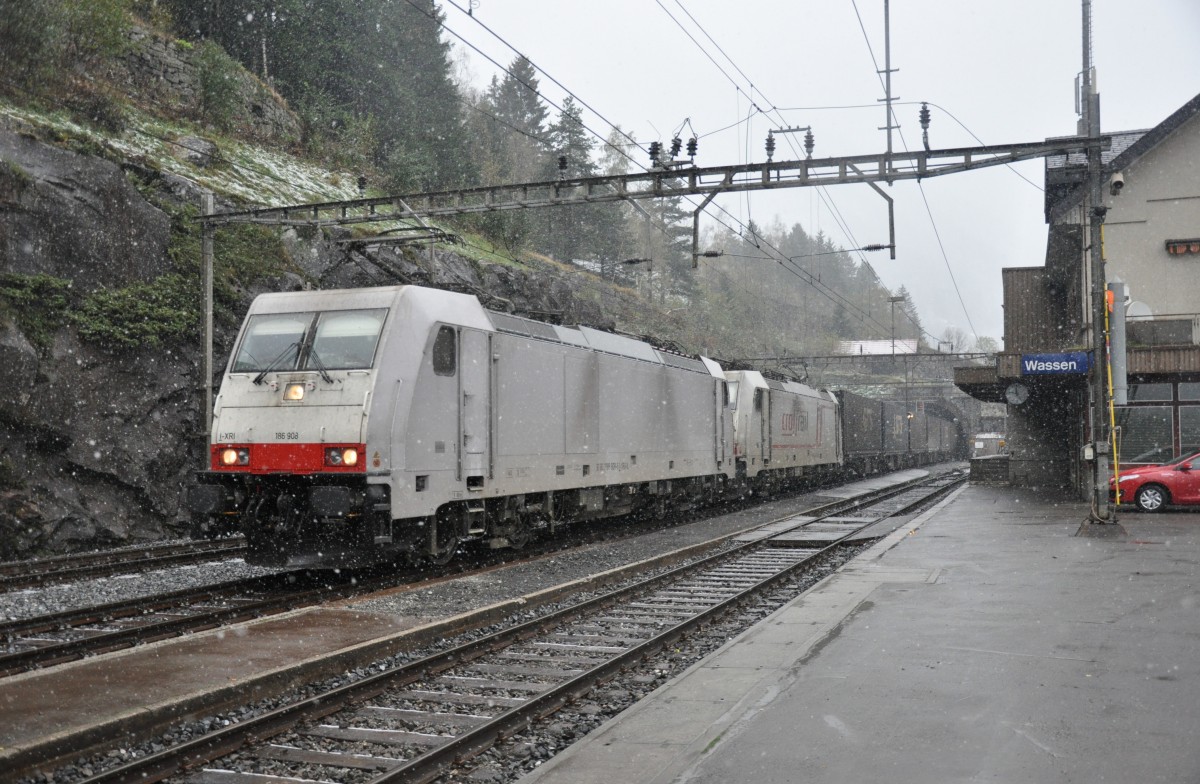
(355, 426)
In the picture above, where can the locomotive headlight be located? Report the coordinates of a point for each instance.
(232, 457)
(341, 456)
(294, 392)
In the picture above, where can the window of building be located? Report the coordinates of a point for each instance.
(1146, 434)
(1145, 393)
(1189, 429)
(1189, 390)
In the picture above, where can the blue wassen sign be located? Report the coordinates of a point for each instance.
(1054, 364)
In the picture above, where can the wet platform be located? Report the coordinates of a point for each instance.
(981, 641)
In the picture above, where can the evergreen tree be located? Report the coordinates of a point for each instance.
(567, 232)
(374, 75)
(41, 40)
(510, 129)
(515, 101)
(910, 325)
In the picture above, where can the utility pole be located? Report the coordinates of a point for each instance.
(889, 126)
(1101, 511)
(893, 301)
(206, 254)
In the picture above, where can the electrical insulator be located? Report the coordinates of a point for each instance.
(770, 145)
(655, 151)
(676, 146)
(809, 142)
(924, 115)
(693, 145)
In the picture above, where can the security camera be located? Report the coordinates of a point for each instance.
(1116, 183)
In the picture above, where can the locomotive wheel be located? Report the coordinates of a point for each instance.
(446, 540)
(446, 552)
(519, 531)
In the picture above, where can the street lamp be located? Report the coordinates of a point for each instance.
(893, 301)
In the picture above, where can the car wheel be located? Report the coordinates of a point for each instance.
(1151, 498)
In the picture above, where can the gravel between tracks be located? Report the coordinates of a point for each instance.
(29, 602)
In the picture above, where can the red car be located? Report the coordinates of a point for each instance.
(1152, 487)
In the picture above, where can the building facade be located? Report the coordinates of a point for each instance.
(1151, 243)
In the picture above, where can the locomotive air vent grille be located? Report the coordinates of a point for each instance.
(687, 363)
(520, 326)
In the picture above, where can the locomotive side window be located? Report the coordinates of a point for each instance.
(758, 400)
(445, 352)
(731, 390)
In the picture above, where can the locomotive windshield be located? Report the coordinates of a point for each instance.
(322, 340)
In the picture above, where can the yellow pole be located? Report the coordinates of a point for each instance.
(1112, 410)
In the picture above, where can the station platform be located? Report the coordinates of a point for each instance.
(982, 641)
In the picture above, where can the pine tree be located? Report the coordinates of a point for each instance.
(567, 232)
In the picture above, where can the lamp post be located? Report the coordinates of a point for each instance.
(893, 301)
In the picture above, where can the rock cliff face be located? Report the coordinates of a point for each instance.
(75, 217)
(161, 71)
(96, 447)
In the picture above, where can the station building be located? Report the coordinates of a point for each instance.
(1151, 243)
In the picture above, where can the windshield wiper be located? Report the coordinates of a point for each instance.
(275, 363)
(319, 365)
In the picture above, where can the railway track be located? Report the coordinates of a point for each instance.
(420, 720)
(44, 571)
(46, 640)
(56, 638)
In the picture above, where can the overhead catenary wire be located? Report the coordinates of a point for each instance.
(816, 284)
(830, 204)
(822, 191)
(921, 186)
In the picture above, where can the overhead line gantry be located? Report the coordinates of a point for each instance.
(674, 180)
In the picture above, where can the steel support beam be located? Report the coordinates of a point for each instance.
(696, 181)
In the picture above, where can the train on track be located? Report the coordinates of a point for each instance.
(363, 425)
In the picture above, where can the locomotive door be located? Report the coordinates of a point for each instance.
(474, 414)
(762, 409)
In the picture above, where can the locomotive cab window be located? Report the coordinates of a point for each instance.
(445, 352)
(326, 340)
(271, 342)
(731, 390)
(346, 339)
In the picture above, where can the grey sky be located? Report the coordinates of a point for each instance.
(1005, 70)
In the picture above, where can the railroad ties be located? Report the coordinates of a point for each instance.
(456, 711)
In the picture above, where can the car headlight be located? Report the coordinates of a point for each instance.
(1131, 477)
(341, 456)
(235, 457)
